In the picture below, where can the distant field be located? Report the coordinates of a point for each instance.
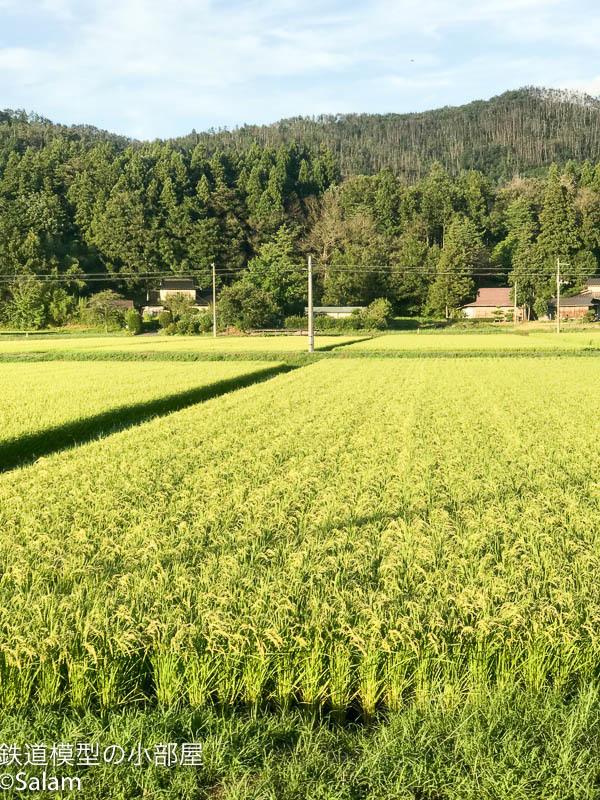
(40, 398)
(351, 535)
(479, 341)
(284, 344)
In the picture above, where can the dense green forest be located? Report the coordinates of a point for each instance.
(409, 219)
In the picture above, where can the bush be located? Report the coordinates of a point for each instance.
(133, 321)
(246, 307)
(589, 316)
(170, 329)
(205, 323)
(149, 324)
(378, 314)
(165, 318)
(26, 310)
(295, 322)
(341, 324)
(61, 306)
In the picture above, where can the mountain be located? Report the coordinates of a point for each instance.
(515, 132)
(519, 131)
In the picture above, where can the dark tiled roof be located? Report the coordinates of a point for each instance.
(177, 284)
(494, 296)
(592, 282)
(576, 300)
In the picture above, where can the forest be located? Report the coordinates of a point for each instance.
(418, 220)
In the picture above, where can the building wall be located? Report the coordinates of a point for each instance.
(154, 310)
(336, 314)
(165, 293)
(487, 312)
(572, 312)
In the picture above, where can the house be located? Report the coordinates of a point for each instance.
(171, 287)
(592, 285)
(577, 305)
(490, 301)
(124, 305)
(333, 311)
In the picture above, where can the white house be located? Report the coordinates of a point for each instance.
(334, 311)
(170, 287)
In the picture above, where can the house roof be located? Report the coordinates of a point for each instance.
(576, 300)
(177, 284)
(494, 296)
(592, 282)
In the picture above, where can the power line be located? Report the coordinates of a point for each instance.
(389, 270)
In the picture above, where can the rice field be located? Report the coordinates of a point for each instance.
(473, 341)
(354, 536)
(226, 344)
(39, 396)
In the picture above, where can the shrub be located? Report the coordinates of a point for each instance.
(294, 322)
(106, 306)
(589, 316)
(245, 306)
(165, 318)
(61, 306)
(133, 321)
(378, 314)
(25, 309)
(170, 329)
(205, 323)
(351, 323)
(180, 305)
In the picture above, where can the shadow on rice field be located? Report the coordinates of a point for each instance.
(26, 449)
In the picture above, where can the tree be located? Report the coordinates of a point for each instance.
(133, 321)
(61, 306)
(558, 232)
(377, 314)
(278, 271)
(107, 304)
(437, 202)
(462, 253)
(246, 307)
(25, 309)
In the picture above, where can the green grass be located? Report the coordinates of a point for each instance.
(509, 746)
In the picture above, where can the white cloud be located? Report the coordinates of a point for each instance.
(589, 86)
(141, 65)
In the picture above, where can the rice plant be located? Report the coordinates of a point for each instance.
(355, 536)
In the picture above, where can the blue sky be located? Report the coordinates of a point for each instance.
(150, 68)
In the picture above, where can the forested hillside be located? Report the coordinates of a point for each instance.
(81, 209)
(516, 132)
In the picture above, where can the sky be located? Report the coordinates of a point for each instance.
(160, 68)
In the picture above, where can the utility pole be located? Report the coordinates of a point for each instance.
(311, 330)
(558, 295)
(558, 282)
(214, 301)
(515, 311)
